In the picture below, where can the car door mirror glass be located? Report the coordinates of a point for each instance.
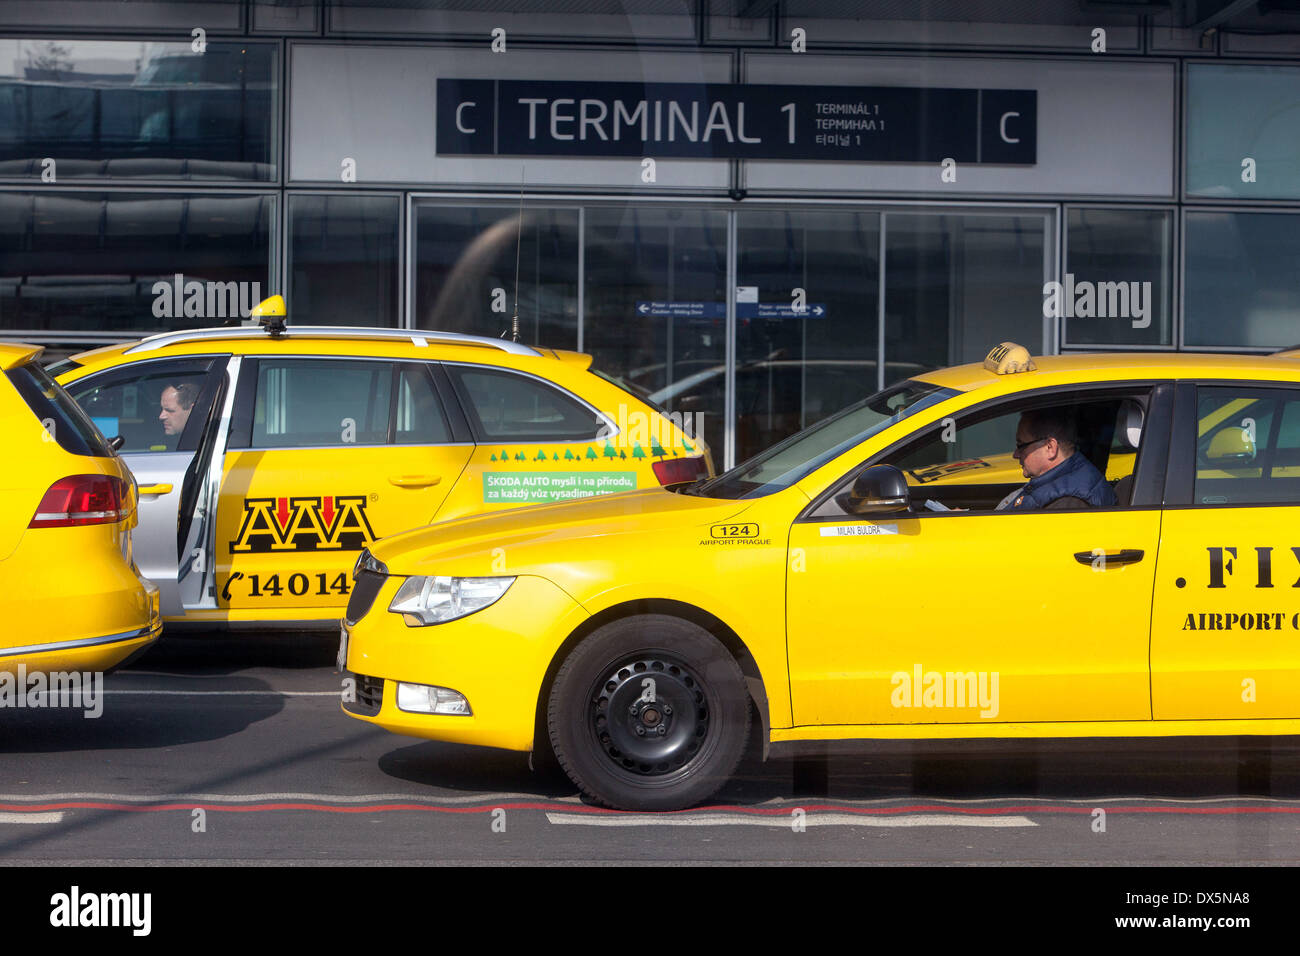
(881, 489)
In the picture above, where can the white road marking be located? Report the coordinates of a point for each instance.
(814, 819)
(56, 817)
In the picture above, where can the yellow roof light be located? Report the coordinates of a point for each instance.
(1008, 359)
(270, 314)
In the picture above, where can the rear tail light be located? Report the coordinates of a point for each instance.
(82, 499)
(673, 471)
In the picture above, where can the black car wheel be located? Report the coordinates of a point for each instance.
(649, 713)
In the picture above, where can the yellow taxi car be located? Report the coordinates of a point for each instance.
(71, 598)
(268, 457)
(856, 582)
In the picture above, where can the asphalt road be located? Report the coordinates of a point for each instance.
(235, 750)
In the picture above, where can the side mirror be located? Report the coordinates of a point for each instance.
(881, 489)
(1231, 445)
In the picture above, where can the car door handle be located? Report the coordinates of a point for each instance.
(155, 489)
(414, 481)
(1127, 556)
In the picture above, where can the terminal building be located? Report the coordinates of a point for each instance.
(755, 210)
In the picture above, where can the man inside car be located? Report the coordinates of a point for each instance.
(1059, 476)
(177, 401)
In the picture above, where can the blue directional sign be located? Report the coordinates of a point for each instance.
(683, 310)
(779, 310)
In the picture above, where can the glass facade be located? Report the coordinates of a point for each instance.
(343, 259)
(465, 262)
(123, 263)
(145, 186)
(1243, 131)
(1134, 247)
(80, 109)
(1243, 280)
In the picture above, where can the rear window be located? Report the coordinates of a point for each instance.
(507, 407)
(62, 417)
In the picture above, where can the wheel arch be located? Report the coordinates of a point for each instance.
(725, 635)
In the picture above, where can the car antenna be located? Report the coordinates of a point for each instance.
(519, 235)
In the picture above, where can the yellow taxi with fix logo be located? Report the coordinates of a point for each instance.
(71, 597)
(874, 577)
(269, 456)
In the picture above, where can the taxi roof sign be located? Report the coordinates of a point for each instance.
(270, 314)
(1008, 359)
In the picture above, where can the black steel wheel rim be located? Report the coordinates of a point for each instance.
(650, 714)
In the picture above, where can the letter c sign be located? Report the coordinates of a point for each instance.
(464, 129)
(1002, 128)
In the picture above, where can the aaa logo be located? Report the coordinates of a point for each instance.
(329, 523)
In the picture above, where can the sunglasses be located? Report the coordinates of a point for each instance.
(1022, 445)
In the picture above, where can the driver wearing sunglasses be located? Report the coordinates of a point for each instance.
(1059, 477)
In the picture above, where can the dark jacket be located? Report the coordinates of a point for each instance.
(1074, 483)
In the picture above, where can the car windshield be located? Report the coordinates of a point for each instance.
(801, 454)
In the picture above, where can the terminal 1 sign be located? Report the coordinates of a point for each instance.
(736, 121)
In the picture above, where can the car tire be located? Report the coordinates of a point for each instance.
(626, 681)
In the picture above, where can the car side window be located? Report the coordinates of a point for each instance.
(1247, 446)
(967, 463)
(507, 407)
(419, 415)
(153, 406)
(321, 402)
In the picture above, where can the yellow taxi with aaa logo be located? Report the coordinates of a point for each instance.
(269, 456)
(71, 598)
(874, 576)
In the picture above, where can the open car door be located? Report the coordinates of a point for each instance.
(197, 510)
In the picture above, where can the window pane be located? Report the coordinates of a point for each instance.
(655, 308)
(420, 420)
(1121, 261)
(321, 402)
(343, 260)
(513, 407)
(1245, 454)
(465, 254)
(795, 369)
(1238, 112)
(122, 109)
(955, 286)
(150, 406)
(131, 263)
(69, 425)
(1242, 279)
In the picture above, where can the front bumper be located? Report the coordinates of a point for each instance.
(497, 658)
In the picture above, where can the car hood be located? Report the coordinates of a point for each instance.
(529, 540)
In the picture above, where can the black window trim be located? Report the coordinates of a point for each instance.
(1149, 468)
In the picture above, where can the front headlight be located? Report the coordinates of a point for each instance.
(432, 600)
